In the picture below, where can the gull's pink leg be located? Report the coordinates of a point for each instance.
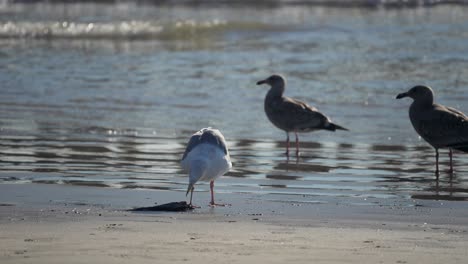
(451, 163)
(212, 203)
(191, 194)
(297, 144)
(437, 163)
(212, 194)
(287, 144)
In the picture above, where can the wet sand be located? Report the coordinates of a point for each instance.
(97, 96)
(42, 223)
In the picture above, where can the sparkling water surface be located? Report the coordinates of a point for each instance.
(108, 95)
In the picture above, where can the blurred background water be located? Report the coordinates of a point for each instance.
(107, 93)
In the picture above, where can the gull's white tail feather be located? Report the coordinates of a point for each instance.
(206, 158)
(197, 170)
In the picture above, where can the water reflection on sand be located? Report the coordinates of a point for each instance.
(323, 171)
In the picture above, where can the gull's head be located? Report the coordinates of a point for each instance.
(275, 80)
(420, 93)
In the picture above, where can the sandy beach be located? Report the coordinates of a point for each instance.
(67, 224)
(99, 99)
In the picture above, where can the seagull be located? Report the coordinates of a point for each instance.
(205, 159)
(292, 115)
(440, 126)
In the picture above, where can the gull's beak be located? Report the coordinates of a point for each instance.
(261, 82)
(402, 95)
(190, 188)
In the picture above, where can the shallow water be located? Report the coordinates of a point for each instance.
(107, 95)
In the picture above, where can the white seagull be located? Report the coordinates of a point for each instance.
(205, 159)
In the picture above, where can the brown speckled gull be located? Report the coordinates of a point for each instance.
(292, 115)
(440, 126)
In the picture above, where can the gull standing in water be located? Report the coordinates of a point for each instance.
(292, 115)
(440, 126)
(206, 158)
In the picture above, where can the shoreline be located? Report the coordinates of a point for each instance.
(42, 223)
(39, 197)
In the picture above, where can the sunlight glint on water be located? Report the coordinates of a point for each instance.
(109, 96)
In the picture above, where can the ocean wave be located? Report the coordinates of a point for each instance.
(331, 3)
(111, 30)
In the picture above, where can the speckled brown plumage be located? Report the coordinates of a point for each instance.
(438, 125)
(291, 115)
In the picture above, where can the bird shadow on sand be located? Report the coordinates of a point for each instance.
(182, 206)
